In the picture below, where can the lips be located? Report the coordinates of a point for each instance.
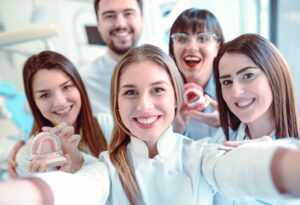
(121, 32)
(63, 111)
(146, 122)
(192, 61)
(245, 103)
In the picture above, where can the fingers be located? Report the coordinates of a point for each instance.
(234, 143)
(66, 132)
(241, 142)
(67, 167)
(12, 159)
(75, 139)
(62, 130)
(214, 104)
(57, 129)
(38, 166)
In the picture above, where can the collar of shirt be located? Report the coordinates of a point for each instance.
(166, 143)
(242, 135)
(210, 88)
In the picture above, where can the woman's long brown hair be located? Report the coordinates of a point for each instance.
(267, 57)
(86, 124)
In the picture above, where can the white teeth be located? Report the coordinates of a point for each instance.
(192, 58)
(121, 33)
(147, 120)
(60, 112)
(245, 103)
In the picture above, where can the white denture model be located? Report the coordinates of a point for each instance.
(194, 97)
(46, 146)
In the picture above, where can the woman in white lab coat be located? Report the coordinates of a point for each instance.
(255, 93)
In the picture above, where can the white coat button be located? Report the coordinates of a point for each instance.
(171, 172)
(154, 164)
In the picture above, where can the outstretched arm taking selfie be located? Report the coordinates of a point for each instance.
(259, 170)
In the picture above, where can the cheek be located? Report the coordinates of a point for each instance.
(123, 107)
(225, 95)
(41, 105)
(77, 97)
(176, 53)
(211, 50)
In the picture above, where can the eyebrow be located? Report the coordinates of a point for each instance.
(152, 84)
(46, 90)
(239, 71)
(114, 11)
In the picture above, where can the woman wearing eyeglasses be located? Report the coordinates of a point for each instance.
(195, 38)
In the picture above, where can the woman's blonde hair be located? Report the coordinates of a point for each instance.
(121, 135)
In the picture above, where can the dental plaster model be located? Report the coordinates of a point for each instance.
(194, 97)
(46, 146)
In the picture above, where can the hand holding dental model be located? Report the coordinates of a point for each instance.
(194, 97)
(46, 146)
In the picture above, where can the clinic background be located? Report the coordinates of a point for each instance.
(69, 27)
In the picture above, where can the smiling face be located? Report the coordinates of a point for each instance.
(245, 88)
(120, 24)
(147, 102)
(195, 60)
(56, 96)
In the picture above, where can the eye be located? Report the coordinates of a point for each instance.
(44, 96)
(203, 38)
(128, 14)
(130, 93)
(109, 17)
(248, 76)
(182, 39)
(67, 87)
(157, 90)
(226, 82)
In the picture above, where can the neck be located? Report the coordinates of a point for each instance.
(201, 81)
(259, 128)
(152, 149)
(114, 55)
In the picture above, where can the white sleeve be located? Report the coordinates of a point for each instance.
(90, 185)
(244, 172)
(106, 123)
(88, 159)
(23, 159)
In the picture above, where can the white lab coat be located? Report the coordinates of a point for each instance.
(183, 172)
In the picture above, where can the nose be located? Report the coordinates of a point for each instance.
(120, 21)
(192, 44)
(59, 99)
(144, 103)
(237, 89)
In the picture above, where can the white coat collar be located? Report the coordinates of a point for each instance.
(165, 144)
(242, 135)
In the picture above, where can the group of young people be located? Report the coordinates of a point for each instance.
(148, 158)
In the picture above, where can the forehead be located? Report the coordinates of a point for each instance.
(142, 72)
(232, 62)
(48, 78)
(117, 5)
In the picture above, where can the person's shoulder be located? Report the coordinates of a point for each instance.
(106, 123)
(190, 142)
(93, 65)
